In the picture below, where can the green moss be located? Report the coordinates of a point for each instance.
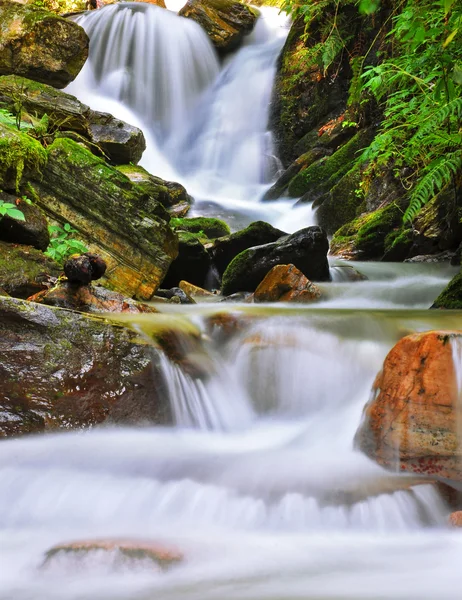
(19, 153)
(234, 269)
(209, 227)
(451, 296)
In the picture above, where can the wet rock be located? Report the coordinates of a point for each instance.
(285, 283)
(411, 420)
(159, 554)
(238, 297)
(455, 519)
(226, 248)
(84, 268)
(226, 22)
(24, 270)
(177, 294)
(31, 232)
(209, 227)
(451, 296)
(114, 217)
(195, 291)
(37, 44)
(192, 263)
(120, 142)
(62, 370)
(306, 249)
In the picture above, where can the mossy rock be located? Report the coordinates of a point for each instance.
(398, 244)
(451, 296)
(24, 271)
(209, 227)
(38, 44)
(324, 174)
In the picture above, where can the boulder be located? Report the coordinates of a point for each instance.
(411, 421)
(226, 22)
(195, 291)
(88, 298)
(451, 296)
(226, 248)
(207, 227)
(114, 217)
(24, 270)
(31, 232)
(285, 283)
(306, 249)
(455, 519)
(61, 370)
(120, 142)
(37, 44)
(192, 263)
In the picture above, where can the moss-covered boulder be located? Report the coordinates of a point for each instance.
(226, 248)
(209, 227)
(116, 218)
(306, 250)
(77, 371)
(40, 45)
(118, 141)
(33, 231)
(24, 270)
(192, 263)
(226, 22)
(451, 296)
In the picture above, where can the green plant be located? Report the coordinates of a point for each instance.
(8, 209)
(62, 245)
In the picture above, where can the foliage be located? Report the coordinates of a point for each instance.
(8, 209)
(62, 244)
(62, 6)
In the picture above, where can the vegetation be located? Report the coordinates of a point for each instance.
(62, 243)
(8, 209)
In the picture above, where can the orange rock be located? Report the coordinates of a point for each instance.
(455, 519)
(411, 421)
(285, 283)
(195, 291)
(162, 556)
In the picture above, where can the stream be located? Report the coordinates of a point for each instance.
(258, 483)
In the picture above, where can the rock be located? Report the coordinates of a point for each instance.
(114, 217)
(451, 296)
(285, 283)
(177, 294)
(209, 227)
(256, 234)
(162, 556)
(456, 260)
(171, 195)
(37, 44)
(411, 421)
(455, 519)
(306, 249)
(24, 270)
(84, 268)
(192, 263)
(119, 141)
(62, 370)
(31, 232)
(195, 291)
(87, 298)
(226, 22)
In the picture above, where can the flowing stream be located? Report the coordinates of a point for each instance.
(257, 483)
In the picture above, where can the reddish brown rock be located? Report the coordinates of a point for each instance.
(285, 283)
(455, 519)
(411, 422)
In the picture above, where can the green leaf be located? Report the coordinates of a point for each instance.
(450, 37)
(14, 213)
(368, 7)
(457, 74)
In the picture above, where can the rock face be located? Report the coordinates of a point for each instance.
(121, 143)
(113, 216)
(31, 232)
(226, 22)
(226, 248)
(411, 421)
(285, 283)
(451, 296)
(306, 249)
(24, 270)
(61, 369)
(40, 45)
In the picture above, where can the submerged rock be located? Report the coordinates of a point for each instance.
(226, 22)
(33, 231)
(285, 283)
(62, 370)
(411, 421)
(451, 296)
(306, 249)
(40, 45)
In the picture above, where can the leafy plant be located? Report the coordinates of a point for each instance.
(8, 209)
(62, 244)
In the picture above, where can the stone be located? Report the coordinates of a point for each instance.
(411, 420)
(226, 22)
(285, 283)
(455, 519)
(306, 249)
(62, 370)
(37, 44)
(176, 295)
(192, 263)
(31, 232)
(226, 248)
(451, 296)
(120, 142)
(195, 291)
(161, 555)
(84, 268)
(24, 270)
(208, 227)
(114, 217)
(88, 298)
